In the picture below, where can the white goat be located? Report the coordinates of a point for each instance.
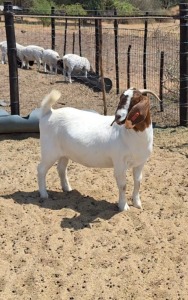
(50, 58)
(75, 62)
(89, 139)
(31, 53)
(3, 47)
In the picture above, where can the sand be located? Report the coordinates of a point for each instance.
(78, 245)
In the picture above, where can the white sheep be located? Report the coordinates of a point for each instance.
(31, 53)
(75, 62)
(50, 58)
(89, 139)
(19, 49)
(3, 47)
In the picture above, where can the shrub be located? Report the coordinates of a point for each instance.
(74, 10)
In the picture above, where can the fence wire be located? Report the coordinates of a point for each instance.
(34, 31)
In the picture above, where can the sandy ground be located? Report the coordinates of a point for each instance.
(78, 245)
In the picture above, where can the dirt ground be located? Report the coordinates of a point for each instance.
(78, 245)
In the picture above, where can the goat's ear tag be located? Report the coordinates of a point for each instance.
(135, 116)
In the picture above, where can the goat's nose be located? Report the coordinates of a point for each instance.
(117, 117)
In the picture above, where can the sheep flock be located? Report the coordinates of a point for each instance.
(50, 59)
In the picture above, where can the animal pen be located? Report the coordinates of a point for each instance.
(129, 51)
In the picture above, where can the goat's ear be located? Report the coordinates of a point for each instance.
(137, 113)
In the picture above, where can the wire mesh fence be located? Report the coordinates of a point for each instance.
(79, 37)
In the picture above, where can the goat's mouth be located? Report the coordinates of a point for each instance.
(118, 121)
(121, 122)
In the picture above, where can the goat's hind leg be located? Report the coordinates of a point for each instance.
(42, 169)
(137, 175)
(62, 170)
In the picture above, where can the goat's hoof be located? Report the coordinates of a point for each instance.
(67, 189)
(137, 204)
(43, 195)
(123, 207)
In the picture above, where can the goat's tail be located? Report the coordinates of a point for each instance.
(48, 101)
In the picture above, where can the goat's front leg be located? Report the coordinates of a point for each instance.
(69, 75)
(137, 175)
(27, 65)
(45, 68)
(3, 60)
(55, 69)
(51, 69)
(23, 64)
(120, 176)
(38, 64)
(65, 74)
(85, 73)
(62, 170)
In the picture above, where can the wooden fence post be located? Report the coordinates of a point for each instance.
(12, 61)
(183, 101)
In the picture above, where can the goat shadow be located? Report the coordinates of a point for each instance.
(87, 209)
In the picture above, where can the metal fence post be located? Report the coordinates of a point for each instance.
(53, 27)
(65, 38)
(11, 46)
(96, 44)
(183, 6)
(128, 66)
(80, 38)
(144, 52)
(161, 80)
(101, 66)
(73, 42)
(116, 52)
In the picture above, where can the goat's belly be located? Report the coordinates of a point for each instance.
(93, 163)
(91, 160)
